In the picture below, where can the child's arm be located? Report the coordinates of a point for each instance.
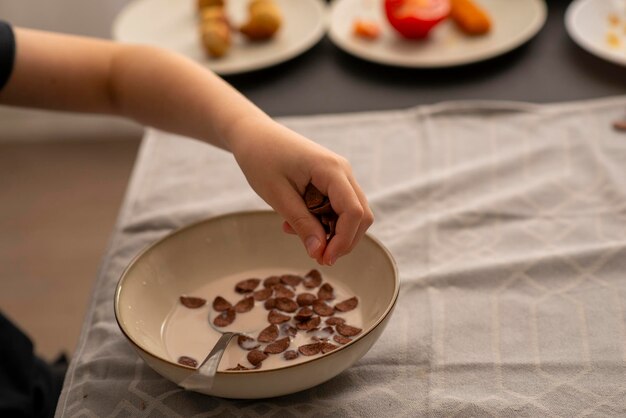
(172, 93)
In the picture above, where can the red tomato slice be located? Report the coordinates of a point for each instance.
(415, 18)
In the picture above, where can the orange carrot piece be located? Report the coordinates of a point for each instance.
(470, 17)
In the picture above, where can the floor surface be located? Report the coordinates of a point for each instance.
(58, 204)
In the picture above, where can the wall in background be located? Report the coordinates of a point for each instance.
(79, 17)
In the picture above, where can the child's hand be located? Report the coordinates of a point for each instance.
(65, 72)
(279, 164)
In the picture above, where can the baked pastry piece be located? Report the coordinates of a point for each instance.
(214, 31)
(209, 3)
(264, 20)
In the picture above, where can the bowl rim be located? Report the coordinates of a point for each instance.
(135, 259)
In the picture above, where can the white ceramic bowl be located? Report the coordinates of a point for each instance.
(212, 249)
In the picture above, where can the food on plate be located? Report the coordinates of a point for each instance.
(214, 31)
(287, 331)
(366, 29)
(264, 20)
(613, 40)
(414, 19)
(209, 3)
(470, 17)
(613, 19)
(616, 29)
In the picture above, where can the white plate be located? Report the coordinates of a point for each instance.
(172, 24)
(587, 22)
(513, 23)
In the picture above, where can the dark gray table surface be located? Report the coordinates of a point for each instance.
(549, 68)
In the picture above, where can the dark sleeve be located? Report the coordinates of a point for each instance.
(7, 52)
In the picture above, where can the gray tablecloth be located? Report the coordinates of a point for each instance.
(508, 223)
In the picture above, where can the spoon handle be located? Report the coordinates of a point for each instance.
(202, 379)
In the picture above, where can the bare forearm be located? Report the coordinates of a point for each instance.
(152, 86)
(172, 93)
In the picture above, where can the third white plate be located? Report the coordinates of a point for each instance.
(599, 26)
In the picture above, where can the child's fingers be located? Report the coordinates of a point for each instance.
(346, 203)
(368, 217)
(366, 221)
(290, 205)
(288, 229)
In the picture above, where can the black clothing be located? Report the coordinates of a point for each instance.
(7, 52)
(29, 387)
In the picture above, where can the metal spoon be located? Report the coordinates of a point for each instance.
(204, 376)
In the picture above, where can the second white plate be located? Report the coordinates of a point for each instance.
(514, 22)
(172, 24)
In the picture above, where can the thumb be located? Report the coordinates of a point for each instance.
(293, 210)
